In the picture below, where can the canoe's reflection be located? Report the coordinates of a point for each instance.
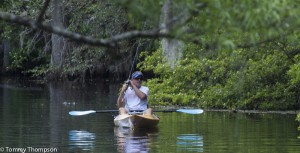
(129, 140)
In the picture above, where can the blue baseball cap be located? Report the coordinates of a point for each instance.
(137, 74)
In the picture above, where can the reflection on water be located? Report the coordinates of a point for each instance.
(81, 140)
(130, 141)
(190, 142)
(37, 115)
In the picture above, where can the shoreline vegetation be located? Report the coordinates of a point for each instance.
(293, 112)
(20, 80)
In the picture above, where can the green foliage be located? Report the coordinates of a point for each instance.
(235, 80)
(26, 45)
(294, 71)
(142, 14)
(230, 24)
(90, 18)
(244, 55)
(217, 73)
(96, 18)
(29, 54)
(82, 59)
(298, 119)
(39, 71)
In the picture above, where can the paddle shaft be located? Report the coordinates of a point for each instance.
(113, 111)
(107, 111)
(188, 111)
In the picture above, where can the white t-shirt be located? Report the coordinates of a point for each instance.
(133, 102)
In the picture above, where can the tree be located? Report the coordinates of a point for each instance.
(59, 43)
(172, 48)
(237, 57)
(61, 55)
(224, 42)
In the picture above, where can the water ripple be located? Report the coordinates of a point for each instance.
(190, 142)
(81, 140)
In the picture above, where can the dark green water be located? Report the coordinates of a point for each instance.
(36, 117)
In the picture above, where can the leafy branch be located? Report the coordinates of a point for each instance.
(109, 42)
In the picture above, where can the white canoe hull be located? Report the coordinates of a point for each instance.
(123, 121)
(136, 121)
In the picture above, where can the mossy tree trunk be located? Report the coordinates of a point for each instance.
(172, 48)
(59, 43)
(6, 50)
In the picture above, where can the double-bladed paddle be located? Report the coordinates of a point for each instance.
(187, 111)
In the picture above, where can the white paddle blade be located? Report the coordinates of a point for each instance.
(190, 111)
(79, 113)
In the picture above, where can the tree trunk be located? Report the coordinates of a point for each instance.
(6, 50)
(1, 54)
(172, 48)
(59, 44)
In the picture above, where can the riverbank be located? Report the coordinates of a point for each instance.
(256, 111)
(12, 82)
(228, 110)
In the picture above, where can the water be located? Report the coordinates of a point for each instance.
(36, 117)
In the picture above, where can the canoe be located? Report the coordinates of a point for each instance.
(142, 132)
(136, 121)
